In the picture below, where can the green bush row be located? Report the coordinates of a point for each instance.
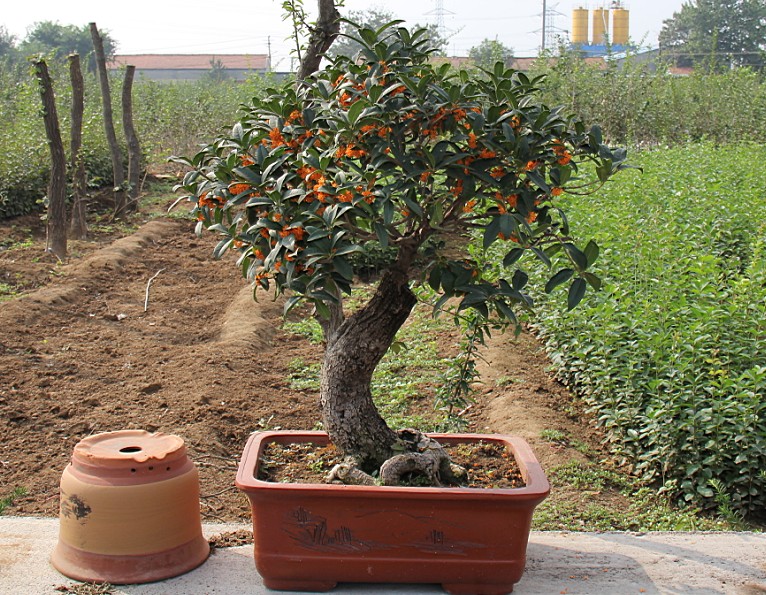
(170, 118)
(641, 103)
(669, 354)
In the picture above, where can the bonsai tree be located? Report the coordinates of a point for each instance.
(388, 151)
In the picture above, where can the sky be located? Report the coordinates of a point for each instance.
(233, 26)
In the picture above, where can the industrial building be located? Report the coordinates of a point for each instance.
(601, 30)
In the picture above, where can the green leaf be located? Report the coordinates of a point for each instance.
(343, 267)
(512, 256)
(591, 253)
(381, 233)
(355, 110)
(576, 293)
(593, 280)
(520, 279)
(575, 254)
(491, 231)
(562, 276)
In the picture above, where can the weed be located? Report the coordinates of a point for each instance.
(7, 291)
(306, 327)
(505, 381)
(303, 375)
(586, 476)
(552, 435)
(7, 501)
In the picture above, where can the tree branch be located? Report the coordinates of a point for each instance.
(322, 35)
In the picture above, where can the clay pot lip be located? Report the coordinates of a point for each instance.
(116, 449)
(536, 490)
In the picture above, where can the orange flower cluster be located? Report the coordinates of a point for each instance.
(457, 189)
(236, 188)
(368, 196)
(511, 200)
(212, 202)
(297, 232)
(557, 191)
(497, 172)
(246, 160)
(469, 206)
(564, 156)
(346, 99)
(487, 154)
(351, 151)
(381, 131)
(531, 165)
(314, 179)
(276, 138)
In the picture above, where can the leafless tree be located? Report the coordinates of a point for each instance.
(120, 204)
(134, 147)
(57, 233)
(78, 225)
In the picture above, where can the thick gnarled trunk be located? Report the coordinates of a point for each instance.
(353, 351)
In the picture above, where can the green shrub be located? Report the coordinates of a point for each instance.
(669, 354)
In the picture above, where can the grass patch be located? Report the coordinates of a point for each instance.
(588, 497)
(8, 500)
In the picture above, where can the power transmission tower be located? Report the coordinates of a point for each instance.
(549, 31)
(438, 13)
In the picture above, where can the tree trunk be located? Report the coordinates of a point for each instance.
(134, 147)
(78, 226)
(111, 137)
(353, 352)
(57, 233)
(322, 35)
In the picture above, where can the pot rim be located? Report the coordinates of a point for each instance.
(537, 484)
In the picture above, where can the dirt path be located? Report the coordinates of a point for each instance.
(80, 355)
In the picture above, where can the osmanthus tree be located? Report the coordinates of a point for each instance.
(387, 150)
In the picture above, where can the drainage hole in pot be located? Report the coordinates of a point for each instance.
(132, 470)
(131, 449)
(151, 468)
(167, 468)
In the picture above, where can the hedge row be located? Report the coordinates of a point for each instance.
(669, 355)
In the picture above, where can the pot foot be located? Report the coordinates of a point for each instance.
(477, 588)
(288, 585)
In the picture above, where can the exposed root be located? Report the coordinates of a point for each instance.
(348, 473)
(422, 456)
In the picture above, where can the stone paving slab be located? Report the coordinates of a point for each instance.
(557, 563)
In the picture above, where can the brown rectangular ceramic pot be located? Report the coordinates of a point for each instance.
(309, 537)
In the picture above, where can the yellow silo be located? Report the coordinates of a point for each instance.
(600, 25)
(580, 26)
(620, 26)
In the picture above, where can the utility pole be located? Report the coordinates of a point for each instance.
(268, 64)
(545, 28)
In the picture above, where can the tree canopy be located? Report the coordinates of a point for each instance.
(7, 43)
(373, 18)
(717, 34)
(48, 37)
(490, 51)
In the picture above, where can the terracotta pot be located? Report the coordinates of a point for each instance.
(309, 537)
(129, 510)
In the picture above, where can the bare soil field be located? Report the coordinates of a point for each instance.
(82, 351)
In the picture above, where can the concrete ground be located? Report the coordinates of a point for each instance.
(557, 563)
